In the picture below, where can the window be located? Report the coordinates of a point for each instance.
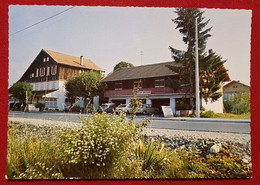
(36, 87)
(51, 102)
(31, 75)
(53, 85)
(47, 59)
(53, 70)
(44, 59)
(37, 72)
(48, 71)
(118, 86)
(42, 71)
(159, 83)
(235, 86)
(138, 84)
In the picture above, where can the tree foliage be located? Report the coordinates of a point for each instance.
(211, 66)
(238, 104)
(19, 89)
(123, 64)
(85, 85)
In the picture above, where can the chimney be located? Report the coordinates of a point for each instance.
(81, 61)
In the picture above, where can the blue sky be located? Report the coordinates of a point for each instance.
(108, 35)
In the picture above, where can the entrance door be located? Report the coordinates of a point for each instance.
(158, 103)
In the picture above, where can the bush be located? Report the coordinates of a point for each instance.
(238, 104)
(95, 149)
(220, 165)
(149, 154)
(40, 106)
(207, 114)
(33, 156)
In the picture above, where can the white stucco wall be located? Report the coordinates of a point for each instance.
(59, 94)
(216, 106)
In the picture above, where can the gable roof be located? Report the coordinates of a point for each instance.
(234, 82)
(143, 71)
(74, 61)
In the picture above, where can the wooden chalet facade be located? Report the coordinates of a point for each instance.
(154, 88)
(153, 84)
(48, 73)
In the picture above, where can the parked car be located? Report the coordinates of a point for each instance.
(124, 108)
(74, 108)
(15, 106)
(107, 107)
(147, 109)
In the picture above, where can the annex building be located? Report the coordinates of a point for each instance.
(235, 87)
(48, 73)
(154, 87)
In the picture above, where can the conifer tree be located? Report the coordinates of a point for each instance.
(211, 66)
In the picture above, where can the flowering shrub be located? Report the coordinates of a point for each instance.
(94, 150)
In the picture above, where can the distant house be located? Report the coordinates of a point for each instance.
(235, 87)
(154, 87)
(48, 73)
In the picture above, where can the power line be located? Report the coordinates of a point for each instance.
(41, 21)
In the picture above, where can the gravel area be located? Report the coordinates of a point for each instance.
(238, 144)
(46, 122)
(217, 136)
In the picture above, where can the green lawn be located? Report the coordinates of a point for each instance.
(211, 114)
(233, 116)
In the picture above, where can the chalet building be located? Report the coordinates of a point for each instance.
(151, 82)
(154, 87)
(48, 73)
(235, 87)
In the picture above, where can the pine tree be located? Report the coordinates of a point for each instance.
(211, 66)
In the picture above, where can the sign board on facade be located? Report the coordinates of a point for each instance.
(143, 92)
(167, 111)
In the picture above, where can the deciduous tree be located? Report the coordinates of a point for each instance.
(20, 89)
(123, 64)
(85, 85)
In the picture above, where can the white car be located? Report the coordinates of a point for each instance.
(147, 109)
(124, 108)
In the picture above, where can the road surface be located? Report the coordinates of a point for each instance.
(210, 125)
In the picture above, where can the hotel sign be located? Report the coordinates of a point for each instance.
(143, 92)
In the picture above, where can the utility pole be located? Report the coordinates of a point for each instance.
(26, 102)
(197, 70)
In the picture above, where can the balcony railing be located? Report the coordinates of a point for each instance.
(143, 91)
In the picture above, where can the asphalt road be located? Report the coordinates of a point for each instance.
(158, 122)
(228, 127)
